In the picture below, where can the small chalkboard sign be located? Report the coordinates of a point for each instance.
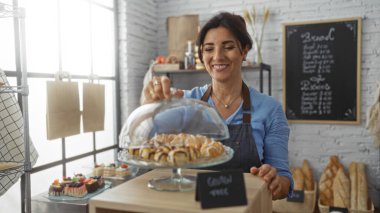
(297, 196)
(220, 189)
(338, 210)
(322, 71)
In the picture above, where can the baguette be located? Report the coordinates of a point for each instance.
(341, 189)
(308, 176)
(362, 187)
(298, 178)
(326, 181)
(354, 185)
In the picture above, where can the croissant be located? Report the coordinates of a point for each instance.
(161, 157)
(194, 153)
(178, 141)
(178, 156)
(134, 151)
(212, 149)
(147, 153)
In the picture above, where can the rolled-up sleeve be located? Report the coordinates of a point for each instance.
(276, 144)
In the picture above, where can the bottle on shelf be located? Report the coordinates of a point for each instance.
(189, 60)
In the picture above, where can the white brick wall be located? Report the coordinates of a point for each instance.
(138, 45)
(145, 38)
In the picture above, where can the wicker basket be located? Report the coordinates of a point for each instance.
(325, 209)
(306, 207)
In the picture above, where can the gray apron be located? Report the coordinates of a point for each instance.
(241, 139)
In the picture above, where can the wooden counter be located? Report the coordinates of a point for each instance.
(135, 196)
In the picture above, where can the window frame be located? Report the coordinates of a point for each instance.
(17, 74)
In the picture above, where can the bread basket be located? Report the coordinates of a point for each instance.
(325, 209)
(307, 206)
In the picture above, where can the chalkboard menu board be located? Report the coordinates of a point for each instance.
(322, 71)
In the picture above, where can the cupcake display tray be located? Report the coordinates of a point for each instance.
(118, 178)
(88, 196)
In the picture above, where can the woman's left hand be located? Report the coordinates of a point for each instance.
(278, 185)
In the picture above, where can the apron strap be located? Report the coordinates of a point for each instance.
(246, 101)
(207, 94)
(246, 104)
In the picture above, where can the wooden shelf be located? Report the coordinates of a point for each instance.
(252, 68)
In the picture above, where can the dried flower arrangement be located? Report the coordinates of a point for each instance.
(257, 25)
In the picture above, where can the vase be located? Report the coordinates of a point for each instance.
(258, 58)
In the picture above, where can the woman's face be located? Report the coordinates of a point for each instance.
(222, 54)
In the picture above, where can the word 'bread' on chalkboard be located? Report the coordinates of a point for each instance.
(220, 189)
(322, 71)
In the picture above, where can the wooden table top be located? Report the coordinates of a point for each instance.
(135, 196)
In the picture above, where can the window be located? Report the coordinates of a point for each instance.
(76, 36)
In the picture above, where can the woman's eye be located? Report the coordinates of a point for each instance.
(229, 47)
(208, 49)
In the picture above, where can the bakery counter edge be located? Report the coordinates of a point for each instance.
(135, 196)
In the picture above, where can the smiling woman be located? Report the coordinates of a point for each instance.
(257, 125)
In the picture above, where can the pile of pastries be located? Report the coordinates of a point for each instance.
(177, 149)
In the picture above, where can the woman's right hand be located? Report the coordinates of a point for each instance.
(278, 185)
(159, 89)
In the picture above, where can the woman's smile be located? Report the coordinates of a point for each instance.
(219, 67)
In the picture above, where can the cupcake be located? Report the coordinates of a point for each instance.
(109, 171)
(91, 185)
(75, 189)
(121, 172)
(98, 170)
(56, 188)
(99, 180)
(66, 181)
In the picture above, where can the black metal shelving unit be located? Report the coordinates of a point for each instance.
(261, 68)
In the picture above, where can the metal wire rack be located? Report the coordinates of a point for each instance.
(14, 167)
(8, 11)
(12, 89)
(18, 14)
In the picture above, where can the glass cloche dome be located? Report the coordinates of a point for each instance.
(175, 133)
(175, 116)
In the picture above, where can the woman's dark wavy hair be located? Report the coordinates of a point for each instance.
(234, 23)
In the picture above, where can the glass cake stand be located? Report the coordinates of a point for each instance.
(176, 182)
